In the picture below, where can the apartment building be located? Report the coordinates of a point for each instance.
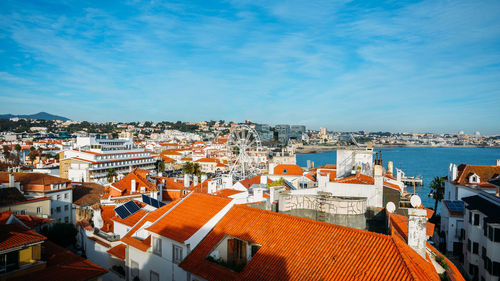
(92, 158)
(481, 234)
(37, 188)
(463, 180)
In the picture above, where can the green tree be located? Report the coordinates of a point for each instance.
(187, 168)
(18, 149)
(32, 148)
(197, 169)
(6, 152)
(63, 234)
(437, 187)
(32, 156)
(110, 176)
(160, 166)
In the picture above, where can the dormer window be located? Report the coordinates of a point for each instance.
(233, 253)
(474, 178)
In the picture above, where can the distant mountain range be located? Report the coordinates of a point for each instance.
(39, 115)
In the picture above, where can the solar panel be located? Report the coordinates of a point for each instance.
(126, 209)
(146, 199)
(131, 206)
(122, 212)
(455, 206)
(151, 201)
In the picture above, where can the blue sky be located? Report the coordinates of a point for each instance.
(346, 65)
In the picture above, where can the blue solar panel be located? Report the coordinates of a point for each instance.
(151, 201)
(455, 206)
(122, 212)
(131, 206)
(146, 199)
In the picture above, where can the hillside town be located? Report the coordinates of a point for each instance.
(225, 204)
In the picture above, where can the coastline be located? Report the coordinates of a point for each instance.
(321, 148)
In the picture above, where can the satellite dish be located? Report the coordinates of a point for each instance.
(390, 207)
(415, 201)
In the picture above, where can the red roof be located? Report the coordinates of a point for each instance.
(251, 181)
(484, 172)
(206, 160)
(189, 216)
(118, 251)
(288, 169)
(15, 235)
(63, 265)
(400, 224)
(125, 184)
(294, 248)
(357, 179)
(227, 192)
(132, 219)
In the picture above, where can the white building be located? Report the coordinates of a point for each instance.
(93, 158)
(482, 236)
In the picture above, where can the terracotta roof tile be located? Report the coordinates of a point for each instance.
(14, 235)
(118, 251)
(132, 219)
(294, 248)
(484, 172)
(189, 216)
(288, 169)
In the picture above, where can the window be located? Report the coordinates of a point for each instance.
(157, 246)
(490, 233)
(58, 197)
(66, 207)
(38, 210)
(66, 195)
(66, 219)
(134, 269)
(23, 212)
(176, 254)
(485, 227)
(476, 219)
(236, 251)
(496, 269)
(468, 245)
(475, 248)
(470, 217)
(153, 276)
(483, 253)
(497, 235)
(58, 209)
(255, 248)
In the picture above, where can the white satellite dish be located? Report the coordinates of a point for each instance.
(390, 207)
(415, 201)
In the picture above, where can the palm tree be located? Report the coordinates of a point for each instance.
(110, 176)
(187, 168)
(437, 187)
(6, 152)
(196, 169)
(18, 149)
(160, 166)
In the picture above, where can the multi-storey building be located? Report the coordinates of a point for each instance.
(283, 132)
(265, 132)
(93, 158)
(39, 187)
(463, 180)
(296, 131)
(482, 236)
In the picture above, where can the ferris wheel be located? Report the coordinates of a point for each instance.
(244, 145)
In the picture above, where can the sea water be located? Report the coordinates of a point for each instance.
(427, 162)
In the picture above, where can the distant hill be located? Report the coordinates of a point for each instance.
(39, 115)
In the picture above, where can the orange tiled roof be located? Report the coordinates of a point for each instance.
(206, 160)
(251, 181)
(125, 184)
(227, 192)
(400, 224)
(167, 159)
(29, 179)
(393, 186)
(107, 213)
(484, 172)
(63, 264)
(132, 219)
(288, 169)
(129, 238)
(294, 248)
(118, 251)
(15, 235)
(357, 179)
(189, 216)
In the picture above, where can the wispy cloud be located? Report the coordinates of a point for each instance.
(425, 65)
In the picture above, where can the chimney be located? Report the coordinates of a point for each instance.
(312, 164)
(263, 179)
(417, 230)
(212, 187)
(390, 167)
(195, 180)
(11, 180)
(271, 168)
(97, 218)
(258, 194)
(187, 180)
(132, 186)
(498, 162)
(379, 186)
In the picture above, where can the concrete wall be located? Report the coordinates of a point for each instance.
(332, 205)
(30, 208)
